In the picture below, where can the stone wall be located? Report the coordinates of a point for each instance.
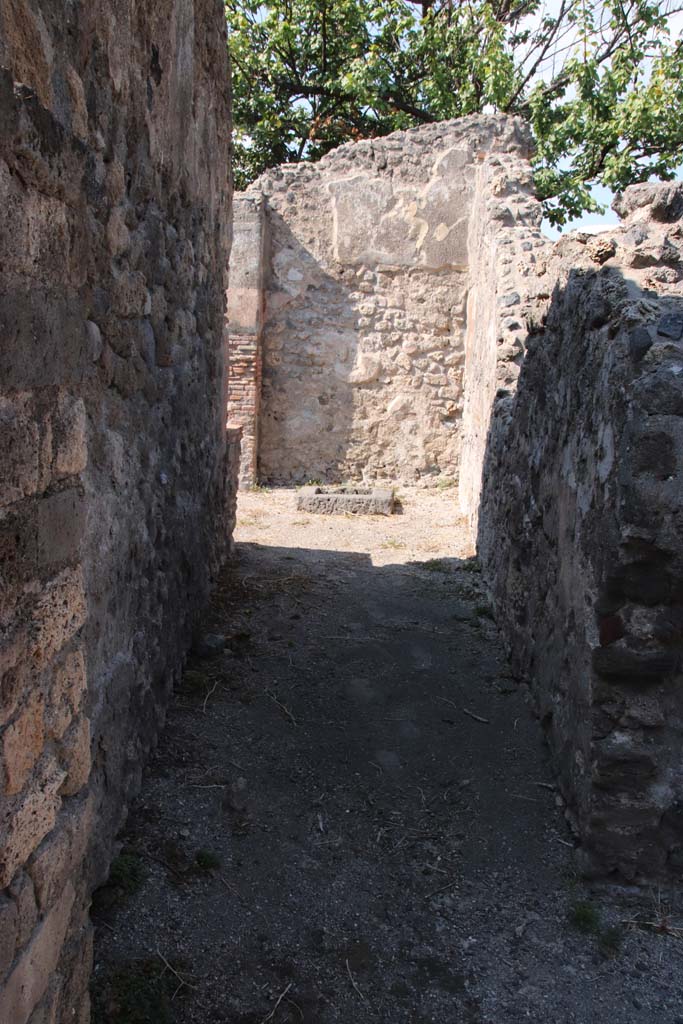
(113, 186)
(245, 325)
(509, 290)
(418, 325)
(366, 280)
(581, 535)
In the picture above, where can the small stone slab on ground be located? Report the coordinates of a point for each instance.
(357, 500)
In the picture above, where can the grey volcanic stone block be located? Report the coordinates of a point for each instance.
(580, 532)
(357, 500)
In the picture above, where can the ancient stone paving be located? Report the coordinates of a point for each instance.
(351, 817)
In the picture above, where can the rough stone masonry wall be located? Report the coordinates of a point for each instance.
(580, 527)
(509, 290)
(366, 284)
(245, 326)
(114, 202)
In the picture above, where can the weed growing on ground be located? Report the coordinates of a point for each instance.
(471, 565)
(127, 873)
(584, 917)
(482, 611)
(391, 543)
(444, 483)
(126, 876)
(436, 565)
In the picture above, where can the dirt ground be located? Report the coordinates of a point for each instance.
(351, 817)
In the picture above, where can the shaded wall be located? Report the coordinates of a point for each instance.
(581, 536)
(114, 197)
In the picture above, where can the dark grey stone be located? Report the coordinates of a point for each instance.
(671, 327)
(627, 665)
(640, 343)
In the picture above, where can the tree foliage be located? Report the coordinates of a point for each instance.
(599, 81)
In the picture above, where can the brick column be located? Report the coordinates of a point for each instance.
(245, 324)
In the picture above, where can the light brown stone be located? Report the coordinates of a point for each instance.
(60, 612)
(22, 744)
(28, 981)
(59, 855)
(118, 235)
(20, 449)
(71, 454)
(26, 821)
(76, 1001)
(74, 753)
(79, 109)
(22, 892)
(66, 693)
(47, 1010)
(15, 672)
(29, 43)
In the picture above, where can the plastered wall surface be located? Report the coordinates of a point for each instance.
(116, 477)
(365, 282)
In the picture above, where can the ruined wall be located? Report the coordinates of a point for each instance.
(509, 290)
(581, 535)
(366, 281)
(245, 326)
(114, 199)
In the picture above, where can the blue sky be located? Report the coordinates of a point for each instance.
(593, 221)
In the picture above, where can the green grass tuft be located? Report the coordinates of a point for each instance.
(584, 917)
(127, 873)
(436, 565)
(471, 565)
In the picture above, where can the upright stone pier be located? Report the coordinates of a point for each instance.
(245, 326)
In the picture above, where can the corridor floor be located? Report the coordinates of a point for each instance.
(351, 817)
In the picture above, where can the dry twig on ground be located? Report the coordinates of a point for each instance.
(353, 981)
(271, 1015)
(171, 968)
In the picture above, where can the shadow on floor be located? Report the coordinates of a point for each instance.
(350, 818)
